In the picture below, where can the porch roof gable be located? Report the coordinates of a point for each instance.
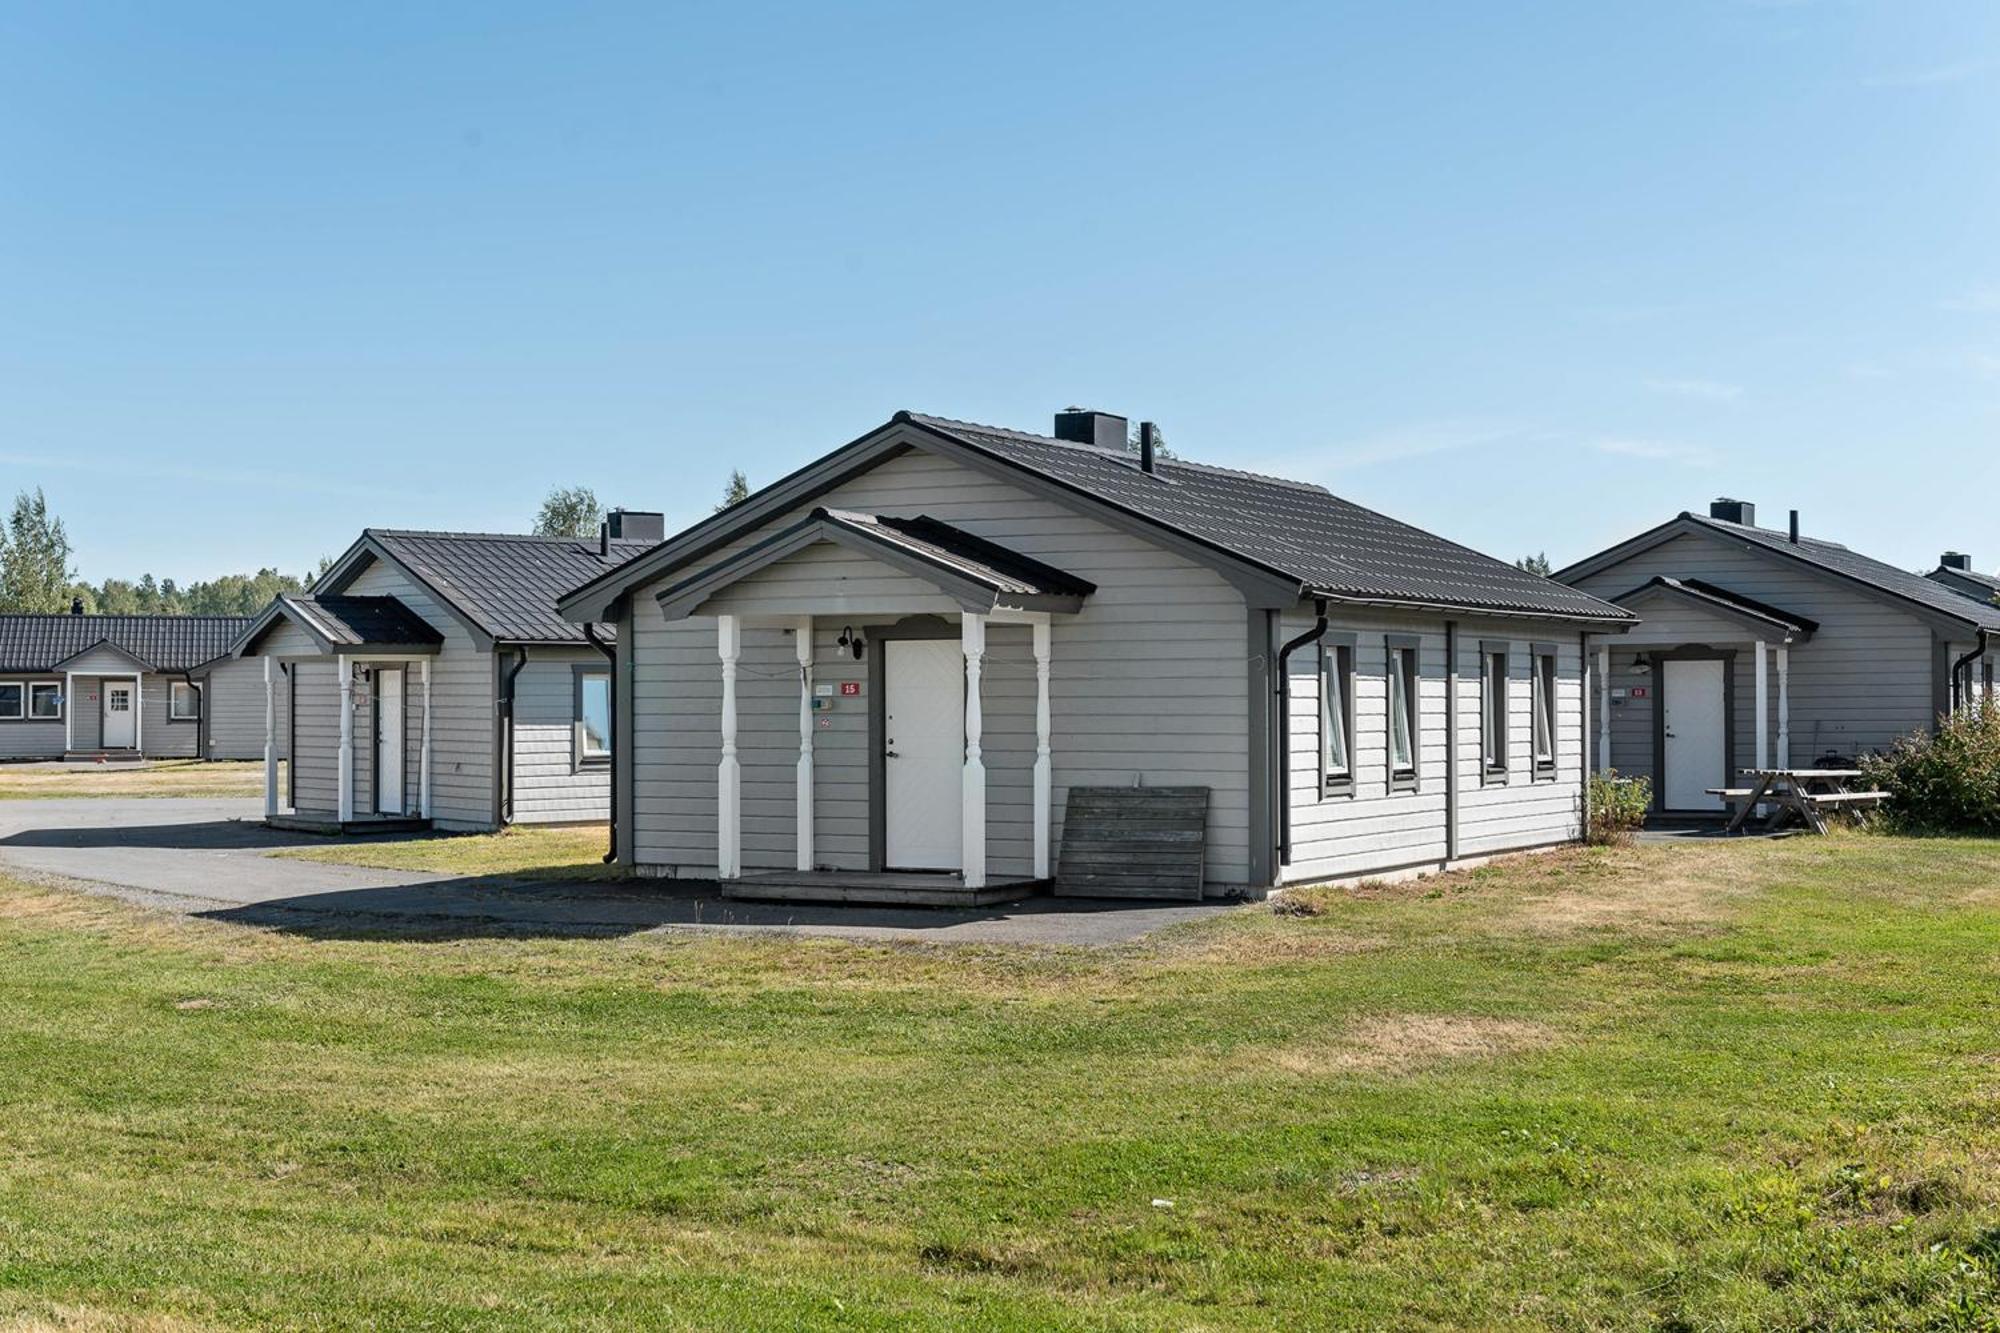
(980, 575)
(338, 623)
(1758, 616)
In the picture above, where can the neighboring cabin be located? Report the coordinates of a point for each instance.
(1763, 648)
(88, 686)
(428, 677)
(904, 655)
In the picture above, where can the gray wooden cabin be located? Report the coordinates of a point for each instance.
(427, 680)
(901, 657)
(1763, 647)
(122, 687)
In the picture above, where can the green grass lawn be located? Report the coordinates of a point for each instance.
(522, 850)
(1752, 1085)
(155, 777)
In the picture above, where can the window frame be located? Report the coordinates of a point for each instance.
(1543, 697)
(581, 756)
(1406, 649)
(20, 713)
(62, 704)
(174, 688)
(1495, 738)
(1336, 681)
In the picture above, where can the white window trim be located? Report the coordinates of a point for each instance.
(1395, 646)
(20, 713)
(581, 755)
(1543, 693)
(62, 703)
(1495, 740)
(1336, 686)
(174, 688)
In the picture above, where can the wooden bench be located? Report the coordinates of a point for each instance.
(1733, 797)
(1848, 798)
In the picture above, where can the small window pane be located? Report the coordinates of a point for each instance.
(1495, 737)
(1545, 696)
(186, 701)
(1401, 755)
(594, 713)
(45, 701)
(1333, 690)
(11, 699)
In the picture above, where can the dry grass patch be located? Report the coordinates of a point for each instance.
(1406, 1044)
(154, 778)
(522, 851)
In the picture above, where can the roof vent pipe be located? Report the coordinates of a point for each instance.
(1795, 527)
(76, 606)
(1149, 443)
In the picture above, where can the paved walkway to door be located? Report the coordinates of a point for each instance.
(206, 857)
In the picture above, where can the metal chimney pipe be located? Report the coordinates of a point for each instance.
(1148, 445)
(1795, 527)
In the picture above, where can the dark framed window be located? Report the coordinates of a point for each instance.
(13, 700)
(183, 701)
(1493, 710)
(591, 743)
(1544, 699)
(45, 701)
(1405, 728)
(1336, 717)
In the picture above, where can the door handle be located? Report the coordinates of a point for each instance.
(890, 754)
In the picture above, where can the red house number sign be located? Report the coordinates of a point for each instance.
(850, 687)
(1638, 691)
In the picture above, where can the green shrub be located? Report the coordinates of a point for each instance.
(1617, 806)
(1947, 781)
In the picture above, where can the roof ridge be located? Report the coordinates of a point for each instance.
(501, 536)
(171, 616)
(1124, 456)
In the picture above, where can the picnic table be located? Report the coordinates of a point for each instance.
(1805, 794)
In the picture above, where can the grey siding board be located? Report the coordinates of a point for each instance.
(315, 769)
(1147, 684)
(234, 700)
(1377, 829)
(1863, 680)
(548, 787)
(29, 739)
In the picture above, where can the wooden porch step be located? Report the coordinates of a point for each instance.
(331, 827)
(888, 889)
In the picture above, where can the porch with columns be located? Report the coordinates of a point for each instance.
(808, 880)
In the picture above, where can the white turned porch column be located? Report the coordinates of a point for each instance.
(424, 754)
(69, 710)
(1762, 711)
(270, 741)
(729, 774)
(803, 634)
(1044, 769)
(1604, 709)
(345, 800)
(1784, 706)
(972, 789)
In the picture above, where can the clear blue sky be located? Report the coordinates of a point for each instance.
(1534, 276)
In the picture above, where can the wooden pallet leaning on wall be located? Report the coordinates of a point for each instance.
(1133, 842)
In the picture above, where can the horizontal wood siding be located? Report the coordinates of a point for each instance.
(234, 700)
(1863, 680)
(1377, 829)
(315, 771)
(1147, 684)
(27, 738)
(549, 788)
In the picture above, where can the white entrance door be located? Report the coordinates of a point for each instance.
(389, 740)
(1695, 733)
(121, 715)
(923, 735)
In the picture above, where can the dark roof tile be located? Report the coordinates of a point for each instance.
(170, 643)
(506, 584)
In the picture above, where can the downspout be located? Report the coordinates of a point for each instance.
(610, 652)
(1284, 745)
(1964, 666)
(201, 718)
(507, 736)
(1450, 741)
